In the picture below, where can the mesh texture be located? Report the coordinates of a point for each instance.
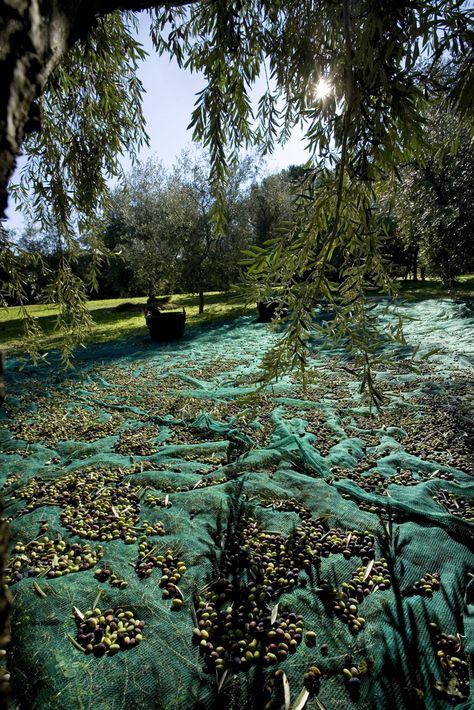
(178, 419)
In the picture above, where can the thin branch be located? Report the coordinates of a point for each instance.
(103, 7)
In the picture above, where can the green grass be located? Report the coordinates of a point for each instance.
(109, 324)
(433, 288)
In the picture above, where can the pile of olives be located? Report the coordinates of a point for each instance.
(108, 632)
(454, 685)
(98, 503)
(460, 506)
(424, 587)
(50, 558)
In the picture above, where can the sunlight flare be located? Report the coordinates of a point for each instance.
(323, 88)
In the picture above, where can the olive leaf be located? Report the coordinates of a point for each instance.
(222, 681)
(77, 612)
(301, 700)
(99, 594)
(286, 692)
(38, 590)
(368, 570)
(74, 643)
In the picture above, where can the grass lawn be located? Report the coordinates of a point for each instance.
(433, 288)
(110, 324)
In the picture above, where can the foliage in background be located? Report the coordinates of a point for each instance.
(270, 204)
(158, 226)
(134, 230)
(434, 200)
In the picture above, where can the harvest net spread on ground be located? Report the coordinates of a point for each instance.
(292, 546)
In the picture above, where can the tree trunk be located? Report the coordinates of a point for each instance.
(201, 301)
(34, 35)
(415, 262)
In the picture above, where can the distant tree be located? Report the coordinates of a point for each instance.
(208, 259)
(434, 201)
(116, 279)
(270, 206)
(34, 239)
(137, 232)
(158, 230)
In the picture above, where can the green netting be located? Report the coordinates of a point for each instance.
(155, 460)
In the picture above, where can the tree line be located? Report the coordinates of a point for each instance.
(156, 235)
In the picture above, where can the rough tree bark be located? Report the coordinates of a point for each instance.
(34, 36)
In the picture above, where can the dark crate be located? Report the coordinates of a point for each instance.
(168, 325)
(267, 309)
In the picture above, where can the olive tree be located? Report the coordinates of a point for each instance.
(140, 231)
(158, 231)
(434, 200)
(270, 206)
(209, 259)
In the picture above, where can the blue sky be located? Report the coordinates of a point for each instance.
(168, 103)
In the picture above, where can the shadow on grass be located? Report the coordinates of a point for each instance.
(434, 289)
(110, 324)
(226, 298)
